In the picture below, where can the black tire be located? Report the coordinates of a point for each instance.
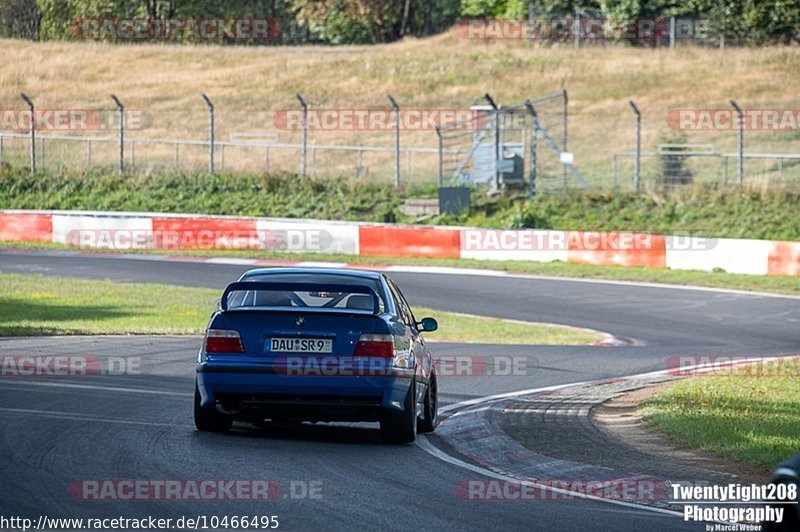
(207, 419)
(401, 427)
(430, 408)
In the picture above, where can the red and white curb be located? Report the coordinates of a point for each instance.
(477, 405)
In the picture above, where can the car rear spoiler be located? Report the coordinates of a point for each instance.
(240, 286)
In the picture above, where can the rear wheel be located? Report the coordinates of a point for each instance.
(401, 427)
(207, 419)
(430, 407)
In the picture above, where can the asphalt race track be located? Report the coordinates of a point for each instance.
(58, 431)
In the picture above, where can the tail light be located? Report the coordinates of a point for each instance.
(375, 345)
(223, 341)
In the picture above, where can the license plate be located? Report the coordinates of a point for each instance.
(300, 345)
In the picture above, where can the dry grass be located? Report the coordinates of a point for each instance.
(249, 83)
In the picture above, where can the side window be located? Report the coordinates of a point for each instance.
(405, 309)
(397, 300)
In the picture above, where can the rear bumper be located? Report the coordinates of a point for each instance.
(262, 388)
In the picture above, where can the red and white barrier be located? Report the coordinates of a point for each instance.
(734, 255)
(25, 227)
(121, 230)
(101, 232)
(784, 258)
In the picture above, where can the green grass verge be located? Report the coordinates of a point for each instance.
(279, 195)
(458, 327)
(720, 279)
(696, 210)
(753, 419)
(36, 305)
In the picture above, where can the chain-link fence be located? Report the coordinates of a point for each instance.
(511, 146)
(327, 140)
(702, 143)
(560, 141)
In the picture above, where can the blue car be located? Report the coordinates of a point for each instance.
(310, 344)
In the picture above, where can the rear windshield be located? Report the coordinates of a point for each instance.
(309, 298)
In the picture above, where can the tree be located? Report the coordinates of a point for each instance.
(494, 8)
(352, 21)
(19, 19)
(752, 22)
(749, 22)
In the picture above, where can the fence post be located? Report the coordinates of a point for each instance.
(33, 130)
(671, 32)
(305, 134)
(740, 168)
(210, 134)
(534, 135)
(121, 109)
(565, 118)
(496, 182)
(396, 140)
(636, 162)
(440, 177)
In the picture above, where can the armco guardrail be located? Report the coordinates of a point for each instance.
(130, 230)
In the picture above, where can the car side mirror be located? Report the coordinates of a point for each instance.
(428, 325)
(217, 305)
